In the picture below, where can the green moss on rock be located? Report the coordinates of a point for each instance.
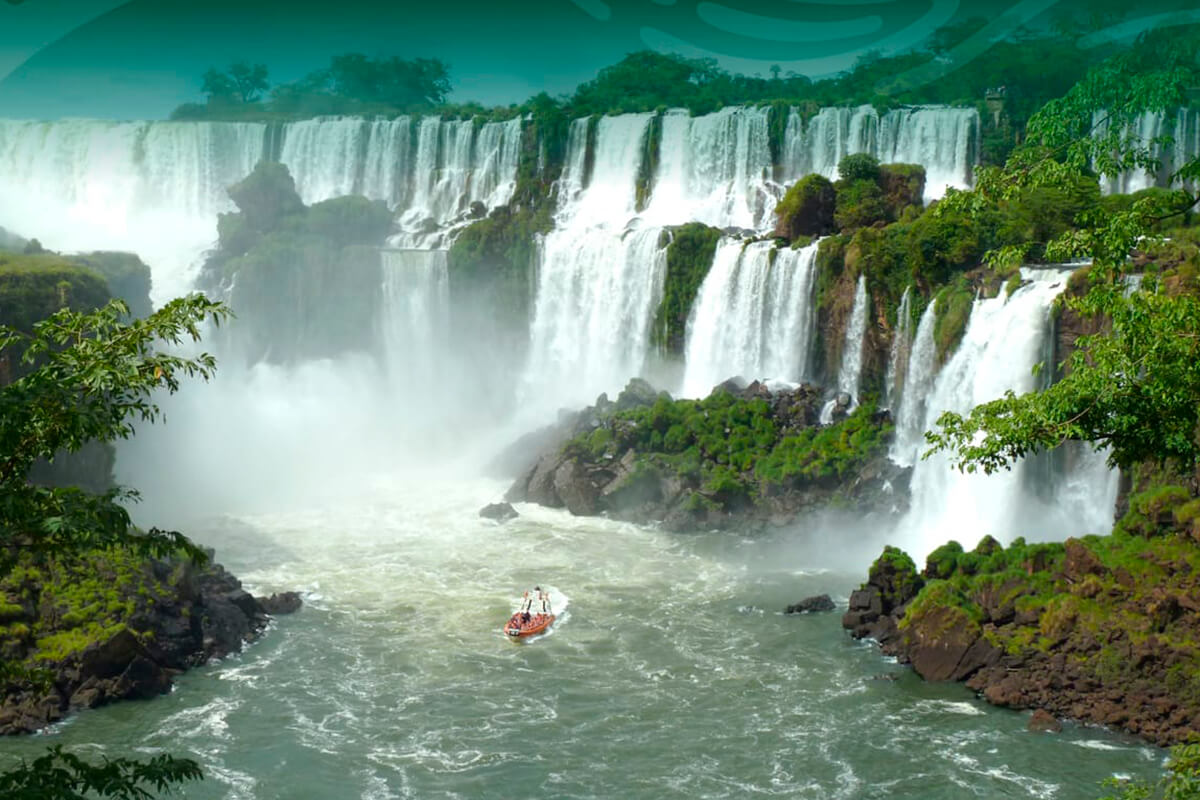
(807, 209)
(689, 258)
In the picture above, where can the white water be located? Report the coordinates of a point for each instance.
(599, 280)
(155, 188)
(900, 351)
(1183, 126)
(942, 139)
(852, 352)
(1005, 338)
(714, 169)
(414, 317)
(850, 372)
(909, 417)
(753, 316)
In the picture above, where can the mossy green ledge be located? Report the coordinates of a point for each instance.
(742, 457)
(110, 626)
(1103, 629)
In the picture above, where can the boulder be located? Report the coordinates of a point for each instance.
(1045, 722)
(578, 493)
(501, 512)
(636, 393)
(812, 605)
(807, 209)
(1080, 561)
(281, 603)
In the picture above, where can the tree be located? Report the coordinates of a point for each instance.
(242, 83)
(395, 82)
(1182, 781)
(1135, 387)
(90, 377)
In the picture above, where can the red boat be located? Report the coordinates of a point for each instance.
(538, 623)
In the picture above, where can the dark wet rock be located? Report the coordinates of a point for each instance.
(812, 605)
(477, 210)
(501, 512)
(190, 616)
(1045, 722)
(281, 603)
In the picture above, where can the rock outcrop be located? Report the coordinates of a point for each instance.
(1100, 630)
(743, 456)
(501, 512)
(158, 620)
(812, 605)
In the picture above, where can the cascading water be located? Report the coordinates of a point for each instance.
(943, 139)
(753, 316)
(598, 280)
(850, 372)
(901, 349)
(1182, 126)
(1004, 339)
(155, 188)
(714, 169)
(151, 187)
(909, 417)
(414, 316)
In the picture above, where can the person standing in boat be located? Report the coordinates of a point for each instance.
(544, 599)
(527, 607)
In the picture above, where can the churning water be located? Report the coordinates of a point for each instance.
(673, 673)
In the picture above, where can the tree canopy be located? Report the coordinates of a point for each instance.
(1135, 386)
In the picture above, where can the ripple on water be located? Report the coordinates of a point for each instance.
(665, 676)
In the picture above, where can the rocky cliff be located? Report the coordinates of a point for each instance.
(744, 456)
(1101, 630)
(112, 627)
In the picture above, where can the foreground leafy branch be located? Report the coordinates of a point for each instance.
(64, 776)
(1135, 386)
(84, 377)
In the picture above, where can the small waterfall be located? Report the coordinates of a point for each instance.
(1004, 339)
(1183, 126)
(901, 348)
(413, 318)
(909, 417)
(714, 169)
(753, 316)
(942, 139)
(850, 372)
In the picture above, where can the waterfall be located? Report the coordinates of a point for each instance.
(1005, 337)
(942, 139)
(1183, 126)
(599, 280)
(753, 316)
(901, 347)
(413, 318)
(850, 372)
(154, 188)
(851, 369)
(714, 169)
(909, 416)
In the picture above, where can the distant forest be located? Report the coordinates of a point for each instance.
(950, 68)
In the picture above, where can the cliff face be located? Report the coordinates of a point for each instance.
(112, 627)
(1101, 630)
(743, 456)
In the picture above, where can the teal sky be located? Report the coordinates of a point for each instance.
(109, 58)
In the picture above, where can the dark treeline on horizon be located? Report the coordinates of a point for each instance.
(945, 70)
